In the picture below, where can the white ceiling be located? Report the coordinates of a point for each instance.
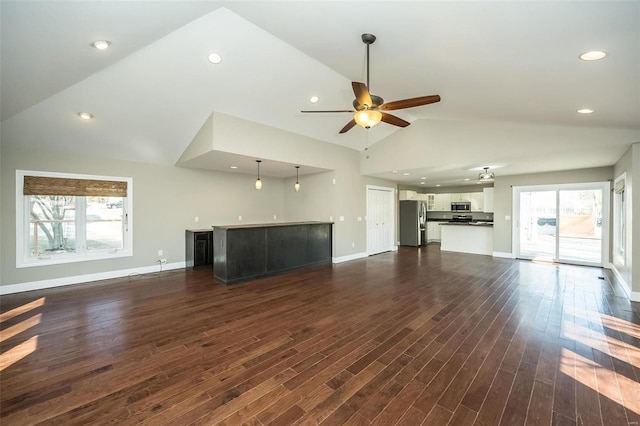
(511, 62)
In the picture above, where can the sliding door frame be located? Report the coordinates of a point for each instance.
(606, 217)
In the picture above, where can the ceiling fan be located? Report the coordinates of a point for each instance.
(370, 109)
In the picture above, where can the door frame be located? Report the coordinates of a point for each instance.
(606, 216)
(392, 207)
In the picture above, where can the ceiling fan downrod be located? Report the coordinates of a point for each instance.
(368, 39)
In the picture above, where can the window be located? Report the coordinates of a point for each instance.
(619, 218)
(64, 218)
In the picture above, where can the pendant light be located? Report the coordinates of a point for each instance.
(297, 185)
(258, 181)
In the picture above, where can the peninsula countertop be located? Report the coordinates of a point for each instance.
(270, 225)
(467, 223)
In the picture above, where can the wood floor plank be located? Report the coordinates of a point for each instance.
(409, 337)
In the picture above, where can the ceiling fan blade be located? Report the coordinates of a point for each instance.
(348, 127)
(362, 93)
(392, 119)
(409, 103)
(337, 110)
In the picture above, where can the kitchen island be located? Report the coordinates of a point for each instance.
(242, 252)
(475, 238)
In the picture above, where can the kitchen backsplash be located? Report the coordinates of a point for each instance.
(448, 215)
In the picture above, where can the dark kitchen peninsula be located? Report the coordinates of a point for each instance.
(242, 252)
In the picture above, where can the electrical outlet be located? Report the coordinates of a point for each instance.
(197, 219)
(239, 217)
(159, 252)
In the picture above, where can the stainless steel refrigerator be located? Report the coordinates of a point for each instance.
(413, 219)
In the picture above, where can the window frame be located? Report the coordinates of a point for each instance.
(23, 260)
(620, 220)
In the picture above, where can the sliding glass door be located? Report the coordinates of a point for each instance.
(562, 223)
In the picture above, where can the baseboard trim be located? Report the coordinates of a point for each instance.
(503, 255)
(625, 285)
(349, 257)
(78, 279)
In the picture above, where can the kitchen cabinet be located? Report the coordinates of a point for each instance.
(477, 200)
(199, 248)
(442, 203)
(462, 196)
(431, 202)
(487, 205)
(434, 231)
(244, 252)
(407, 195)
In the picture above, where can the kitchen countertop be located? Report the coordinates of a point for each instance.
(468, 224)
(467, 238)
(268, 225)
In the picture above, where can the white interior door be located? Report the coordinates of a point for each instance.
(380, 219)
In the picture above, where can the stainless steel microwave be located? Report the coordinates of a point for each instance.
(461, 206)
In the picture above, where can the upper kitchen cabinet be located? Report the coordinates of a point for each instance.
(476, 199)
(442, 203)
(431, 202)
(487, 205)
(407, 195)
(461, 196)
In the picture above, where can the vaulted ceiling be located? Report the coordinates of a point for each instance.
(496, 63)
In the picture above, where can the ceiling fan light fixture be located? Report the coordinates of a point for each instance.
(367, 118)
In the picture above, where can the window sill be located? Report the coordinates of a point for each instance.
(58, 260)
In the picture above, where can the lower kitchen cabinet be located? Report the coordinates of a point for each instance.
(434, 231)
(199, 248)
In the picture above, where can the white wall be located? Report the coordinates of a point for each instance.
(166, 201)
(168, 198)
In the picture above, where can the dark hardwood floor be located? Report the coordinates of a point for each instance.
(408, 338)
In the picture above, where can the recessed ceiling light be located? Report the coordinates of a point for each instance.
(593, 55)
(314, 99)
(423, 177)
(214, 58)
(101, 44)
(421, 183)
(85, 115)
(585, 111)
(233, 167)
(406, 174)
(438, 185)
(467, 180)
(395, 171)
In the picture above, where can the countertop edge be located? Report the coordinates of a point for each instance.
(475, 225)
(269, 225)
